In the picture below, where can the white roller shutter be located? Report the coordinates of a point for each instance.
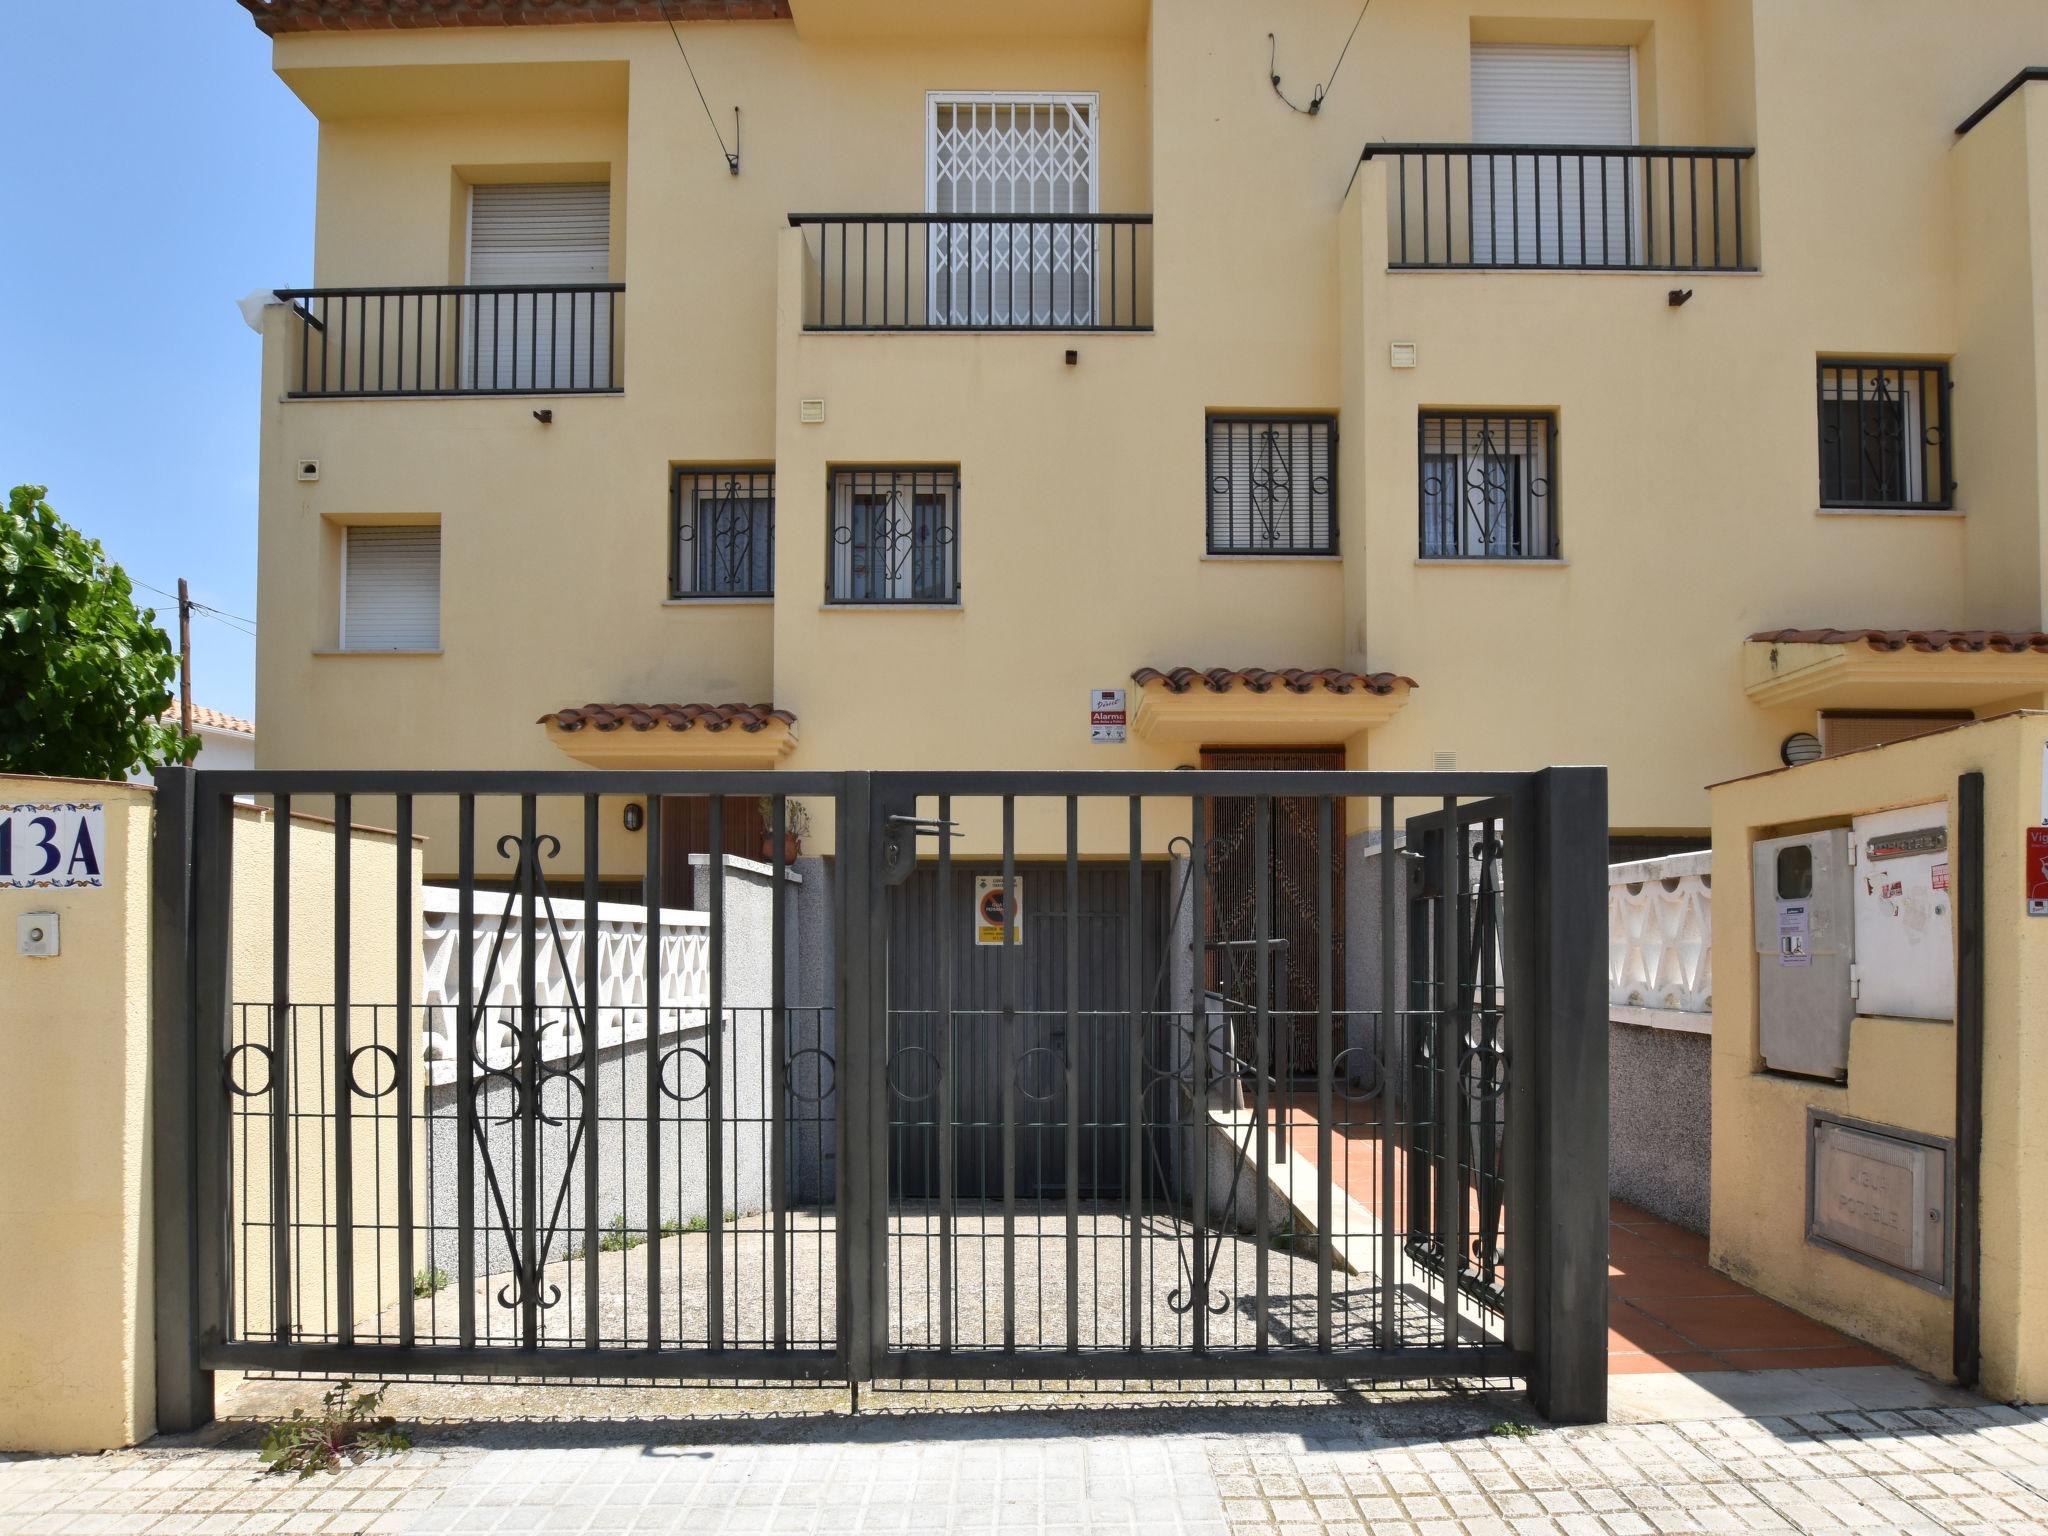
(1527, 211)
(547, 233)
(391, 589)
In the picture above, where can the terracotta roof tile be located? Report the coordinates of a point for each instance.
(2007, 642)
(279, 16)
(673, 717)
(1265, 679)
(212, 719)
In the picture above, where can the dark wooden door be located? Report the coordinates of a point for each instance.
(686, 829)
(1292, 895)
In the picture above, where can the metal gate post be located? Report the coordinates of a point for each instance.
(862, 1184)
(1567, 1029)
(184, 1392)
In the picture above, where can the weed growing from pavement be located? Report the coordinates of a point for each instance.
(427, 1281)
(351, 1427)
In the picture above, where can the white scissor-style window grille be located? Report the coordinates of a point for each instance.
(1024, 169)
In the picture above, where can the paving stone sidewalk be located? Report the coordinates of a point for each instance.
(1431, 1466)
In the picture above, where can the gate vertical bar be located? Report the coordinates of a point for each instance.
(1263, 1065)
(344, 1118)
(184, 1391)
(778, 1065)
(280, 1079)
(402, 1043)
(652, 1050)
(1073, 1077)
(465, 1070)
(714, 1091)
(1198, 1065)
(1451, 857)
(593, 1033)
(1568, 1378)
(1392, 1059)
(946, 1080)
(1967, 1344)
(529, 1075)
(1134, 985)
(1008, 1054)
(1326, 1051)
(1520, 935)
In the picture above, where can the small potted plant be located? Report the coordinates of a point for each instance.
(796, 823)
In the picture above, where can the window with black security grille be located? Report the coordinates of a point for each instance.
(893, 536)
(1488, 485)
(1272, 485)
(1884, 436)
(723, 541)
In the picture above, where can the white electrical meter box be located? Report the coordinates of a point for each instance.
(1805, 945)
(1905, 914)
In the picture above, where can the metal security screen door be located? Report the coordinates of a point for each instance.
(434, 1100)
(1000, 160)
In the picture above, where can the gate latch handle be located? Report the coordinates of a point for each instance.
(899, 844)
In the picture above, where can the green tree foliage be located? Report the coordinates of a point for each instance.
(85, 675)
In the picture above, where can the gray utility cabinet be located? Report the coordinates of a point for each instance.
(1805, 945)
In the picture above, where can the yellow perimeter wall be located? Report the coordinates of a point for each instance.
(77, 1337)
(1901, 1071)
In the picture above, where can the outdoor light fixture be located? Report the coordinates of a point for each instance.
(636, 816)
(1799, 747)
(1677, 297)
(544, 417)
(1073, 356)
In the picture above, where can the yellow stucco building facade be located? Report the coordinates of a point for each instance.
(1556, 434)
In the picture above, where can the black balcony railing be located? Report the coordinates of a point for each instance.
(976, 272)
(515, 340)
(1568, 207)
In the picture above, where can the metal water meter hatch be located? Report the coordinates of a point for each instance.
(1905, 914)
(1805, 945)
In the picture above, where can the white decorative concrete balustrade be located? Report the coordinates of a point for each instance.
(1660, 956)
(621, 1012)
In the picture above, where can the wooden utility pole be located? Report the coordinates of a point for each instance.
(184, 658)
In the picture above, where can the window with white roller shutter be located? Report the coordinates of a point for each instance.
(391, 588)
(555, 235)
(1588, 210)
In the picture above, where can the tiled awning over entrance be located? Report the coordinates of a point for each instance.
(673, 735)
(1893, 669)
(1263, 706)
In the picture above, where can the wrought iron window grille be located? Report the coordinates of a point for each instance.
(722, 533)
(1488, 485)
(892, 536)
(1884, 435)
(1272, 484)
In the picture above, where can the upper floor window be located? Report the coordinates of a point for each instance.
(1489, 485)
(1272, 484)
(723, 542)
(994, 157)
(391, 588)
(1554, 210)
(533, 322)
(894, 536)
(1884, 436)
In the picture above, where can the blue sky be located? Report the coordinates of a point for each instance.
(152, 172)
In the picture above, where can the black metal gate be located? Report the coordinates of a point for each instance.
(427, 1103)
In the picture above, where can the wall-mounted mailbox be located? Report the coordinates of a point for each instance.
(1881, 1195)
(1805, 944)
(1905, 914)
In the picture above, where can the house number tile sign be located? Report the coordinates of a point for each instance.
(48, 844)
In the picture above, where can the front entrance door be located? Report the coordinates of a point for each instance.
(1295, 942)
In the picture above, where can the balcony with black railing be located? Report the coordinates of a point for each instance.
(1568, 207)
(360, 343)
(976, 272)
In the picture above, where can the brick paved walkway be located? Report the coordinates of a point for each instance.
(1421, 1468)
